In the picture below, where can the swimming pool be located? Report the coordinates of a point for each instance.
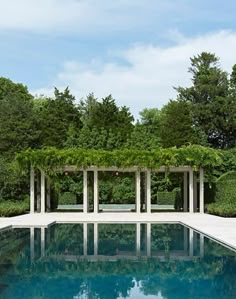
(91, 260)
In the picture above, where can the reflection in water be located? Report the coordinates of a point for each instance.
(114, 261)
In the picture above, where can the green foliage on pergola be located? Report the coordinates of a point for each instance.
(49, 159)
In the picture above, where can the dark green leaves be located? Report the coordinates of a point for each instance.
(51, 158)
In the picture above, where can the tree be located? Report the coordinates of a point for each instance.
(176, 125)
(17, 122)
(231, 115)
(56, 118)
(212, 108)
(18, 131)
(150, 117)
(146, 133)
(105, 125)
(105, 114)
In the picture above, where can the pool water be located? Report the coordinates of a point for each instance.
(106, 261)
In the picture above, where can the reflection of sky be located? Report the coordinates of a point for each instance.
(135, 293)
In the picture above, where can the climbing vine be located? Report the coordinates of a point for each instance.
(49, 159)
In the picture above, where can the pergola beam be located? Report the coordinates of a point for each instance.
(72, 168)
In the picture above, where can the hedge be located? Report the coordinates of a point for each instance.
(226, 188)
(67, 198)
(222, 209)
(10, 208)
(225, 196)
(166, 197)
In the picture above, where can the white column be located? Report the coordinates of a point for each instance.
(191, 205)
(185, 191)
(32, 244)
(138, 204)
(42, 241)
(48, 199)
(201, 246)
(85, 191)
(85, 235)
(191, 242)
(148, 191)
(195, 192)
(95, 229)
(138, 235)
(38, 194)
(201, 186)
(148, 239)
(32, 190)
(95, 192)
(145, 192)
(42, 192)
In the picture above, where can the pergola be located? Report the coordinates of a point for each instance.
(191, 195)
(191, 161)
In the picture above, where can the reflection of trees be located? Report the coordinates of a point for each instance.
(211, 278)
(11, 243)
(115, 237)
(208, 278)
(214, 249)
(167, 237)
(110, 287)
(67, 287)
(53, 276)
(65, 238)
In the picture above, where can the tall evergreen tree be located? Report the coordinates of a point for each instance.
(146, 133)
(17, 122)
(56, 116)
(176, 126)
(105, 125)
(209, 96)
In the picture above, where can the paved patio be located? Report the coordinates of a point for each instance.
(220, 229)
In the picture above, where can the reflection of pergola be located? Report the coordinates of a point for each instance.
(191, 196)
(192, 246)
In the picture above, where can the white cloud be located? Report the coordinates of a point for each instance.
(79, 15)
(40, 15)
(91, 17)
(148, 78)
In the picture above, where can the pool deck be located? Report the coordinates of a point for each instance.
(218, 228)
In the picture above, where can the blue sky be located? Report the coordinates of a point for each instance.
(136, 50)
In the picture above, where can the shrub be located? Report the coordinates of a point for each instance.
(10, 208)
(222, 209)
(67, 198)
(166, 197)
(225, 196)
(226, 188)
